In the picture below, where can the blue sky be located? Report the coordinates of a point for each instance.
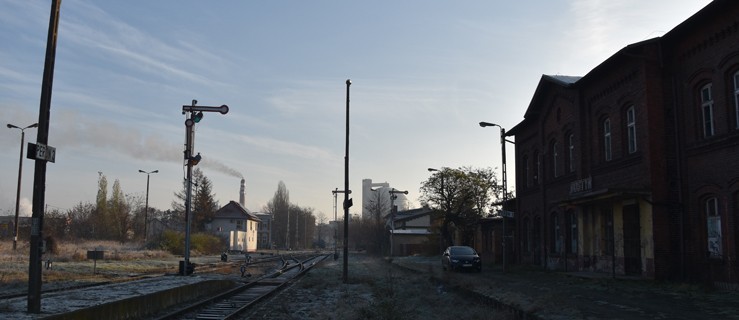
(424, 73)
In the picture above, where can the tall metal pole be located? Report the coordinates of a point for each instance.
(392, 219)
(18, 194)
(336, 225)
(20, 172)
(287, 234)
(190, 119)
(505, 199)
(346, 191)
(393, 196)
(39, 178)
(505, 188)
(190, 136)
(146, 210)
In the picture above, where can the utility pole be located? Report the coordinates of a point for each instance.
(41, 157)
(347, 201)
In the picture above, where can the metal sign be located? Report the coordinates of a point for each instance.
(506, 213)
(41, 152)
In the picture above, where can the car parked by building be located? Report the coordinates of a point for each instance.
(461, 257)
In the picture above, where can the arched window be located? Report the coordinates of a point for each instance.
(607, 139)
(571, 152)
(707, 110)
(555, 159)
(631, 129)
(713, 222)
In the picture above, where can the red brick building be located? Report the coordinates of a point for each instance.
(633, 169)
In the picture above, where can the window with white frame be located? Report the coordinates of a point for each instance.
(736, 99)
(607, 139)
(555, 159)
(713, 221)
(571, 152)
(631, 129)
(707, 110)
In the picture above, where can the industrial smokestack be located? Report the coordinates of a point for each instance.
(242, 193)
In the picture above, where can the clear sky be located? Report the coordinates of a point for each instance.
(424, 74)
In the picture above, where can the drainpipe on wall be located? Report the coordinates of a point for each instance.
(680, 207)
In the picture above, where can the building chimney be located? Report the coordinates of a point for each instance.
(242, 193)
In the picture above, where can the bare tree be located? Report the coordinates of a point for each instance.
(279, 207)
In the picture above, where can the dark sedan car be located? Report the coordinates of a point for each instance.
(461, 257)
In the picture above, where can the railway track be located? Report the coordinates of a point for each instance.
(222, 267)
(237, 300)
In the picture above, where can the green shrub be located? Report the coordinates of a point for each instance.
(172, 242)
(207, 243)
(203, 243)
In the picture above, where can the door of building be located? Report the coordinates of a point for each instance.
(632, 240)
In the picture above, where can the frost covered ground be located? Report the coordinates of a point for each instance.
(376, 289)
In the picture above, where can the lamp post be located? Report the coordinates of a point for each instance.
(393, 193)
(146, 210)
(347, 202)
(441, 175)
(503, 140)
(441, 191)
(20, 171)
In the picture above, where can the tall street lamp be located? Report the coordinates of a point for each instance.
(146, 210)
(20, 170)
(441, 203)
(503, 140)
(347, 201)
(393, 193)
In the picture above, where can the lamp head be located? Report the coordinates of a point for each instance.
(35, 125)
(432, 169)
(10, 126)
(488, 124)
(155, 171)
(142, 171)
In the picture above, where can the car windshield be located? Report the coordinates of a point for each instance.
(462, 251)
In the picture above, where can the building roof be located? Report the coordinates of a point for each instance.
(630, 51)
(546, 83)
(412, 214)
(233, 210)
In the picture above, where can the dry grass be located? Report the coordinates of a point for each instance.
(70, 263)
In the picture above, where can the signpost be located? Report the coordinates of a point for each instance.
(41, 152)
